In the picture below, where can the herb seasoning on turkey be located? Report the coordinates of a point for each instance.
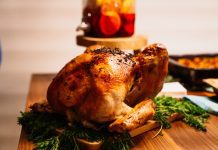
(103, 95)
(107, 85)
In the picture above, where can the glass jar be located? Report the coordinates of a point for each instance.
(108, 18)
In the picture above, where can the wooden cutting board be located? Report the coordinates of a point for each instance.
(180, 136)
(125, 43)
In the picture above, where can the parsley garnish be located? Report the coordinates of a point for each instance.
(192, 114)
(43, 128)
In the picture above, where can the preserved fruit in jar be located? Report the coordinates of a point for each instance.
(108, 18)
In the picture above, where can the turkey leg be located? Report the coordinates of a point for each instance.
(136, 117)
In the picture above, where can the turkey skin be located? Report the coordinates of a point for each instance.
(109, 85)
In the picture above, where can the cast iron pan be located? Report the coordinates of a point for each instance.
(191, 75)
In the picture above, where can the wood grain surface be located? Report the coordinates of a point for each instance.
(125, 43)
(180, 136)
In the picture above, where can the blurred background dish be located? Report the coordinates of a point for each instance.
(193, 68)
(213, 82)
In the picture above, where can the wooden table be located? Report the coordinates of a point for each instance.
(180, 136)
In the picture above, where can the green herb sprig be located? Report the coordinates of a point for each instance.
(192, 114)
(41, 128)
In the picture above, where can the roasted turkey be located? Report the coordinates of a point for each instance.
(109, 85)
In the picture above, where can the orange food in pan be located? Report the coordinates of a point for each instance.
(200, 62)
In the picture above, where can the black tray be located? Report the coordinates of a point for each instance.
(188, 74)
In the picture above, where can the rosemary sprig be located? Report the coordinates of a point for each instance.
(42, 130)
(51, 143)
(193, 115)
(41, 127)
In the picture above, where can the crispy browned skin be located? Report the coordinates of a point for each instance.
(96, 86)
(135, 118)
(93, 84)
(150, 71)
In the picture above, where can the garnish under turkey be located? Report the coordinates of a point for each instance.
(108, 85)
